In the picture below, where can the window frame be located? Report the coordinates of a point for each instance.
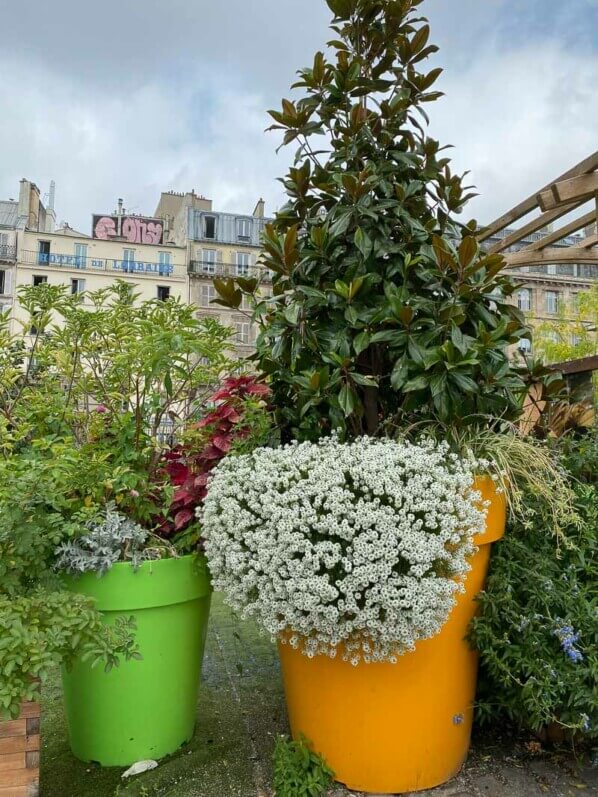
(209, 218)
(548, 296)
(77, 281)
(242, 269)
(527, 292)
(242, 223)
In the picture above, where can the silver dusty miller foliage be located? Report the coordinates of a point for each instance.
(112, 539)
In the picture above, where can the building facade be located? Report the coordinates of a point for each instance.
(83, 263)
(16, 216)
(547, 289)
(121, 246)
(219, 245)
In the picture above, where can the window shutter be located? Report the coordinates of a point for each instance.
(8, 281)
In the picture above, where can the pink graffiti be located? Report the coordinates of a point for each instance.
(105, 228)
(141, 231)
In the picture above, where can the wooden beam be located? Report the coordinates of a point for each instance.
(590, 164)
(562, 232)
(533, 226)
(589, 242)
(578, 189)
(583, 366)
(566, 254)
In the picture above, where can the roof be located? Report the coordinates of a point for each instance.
(8, 213)
(66, 230)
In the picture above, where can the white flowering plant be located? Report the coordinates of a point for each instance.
(354, 549)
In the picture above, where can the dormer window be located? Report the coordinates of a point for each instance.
(244, 229)
(209, 226)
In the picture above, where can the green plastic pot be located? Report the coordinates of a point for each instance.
(142, 709)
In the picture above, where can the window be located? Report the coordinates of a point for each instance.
(524, 299)
(164, 259)
(128, 259)
(524, 346)
(77, 287)
(208, 293)
(244, 229)
(163, 292)
(3, 282)
(208, 261)
(552, 301)
(242, 264)
(575, 339)
(43, 250)
(209, 226)
(243, 332)
(39, 279)
(551, 269)
(246, 303)
(3, 245)
(81, 255)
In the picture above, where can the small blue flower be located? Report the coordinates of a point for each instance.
(568, 639)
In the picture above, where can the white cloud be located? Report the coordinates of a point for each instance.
(518, 120)
(190, 113)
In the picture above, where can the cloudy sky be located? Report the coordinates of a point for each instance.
(130, 98)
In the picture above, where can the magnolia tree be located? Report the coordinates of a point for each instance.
(383, 306)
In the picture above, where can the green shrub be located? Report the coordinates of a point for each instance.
(538, 627)
(81, 406)
(298, 771)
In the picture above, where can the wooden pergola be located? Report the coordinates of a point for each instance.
(568, 194)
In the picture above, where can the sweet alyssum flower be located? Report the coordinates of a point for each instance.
(353, 548)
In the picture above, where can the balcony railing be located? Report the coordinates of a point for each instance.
(208, 269)
(584, 271)
(8, 252)
(140, 268)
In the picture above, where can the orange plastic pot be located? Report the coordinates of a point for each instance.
(395, 728)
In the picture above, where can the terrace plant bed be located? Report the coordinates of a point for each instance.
(241, 710)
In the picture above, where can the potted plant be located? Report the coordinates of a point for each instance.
(124, 418)
(363, 560)
(385, 315)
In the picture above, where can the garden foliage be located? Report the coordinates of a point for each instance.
(538, 630)
(90, 411)
(383, 306)
(298, 771)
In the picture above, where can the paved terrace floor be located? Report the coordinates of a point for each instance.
(241, 710)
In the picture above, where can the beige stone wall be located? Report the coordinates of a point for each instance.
(88, 264)
(541, 296)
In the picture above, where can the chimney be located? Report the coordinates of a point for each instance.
(119, 212)
(259, 209)
(50, 212)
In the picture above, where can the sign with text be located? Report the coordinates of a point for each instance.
(134, 229)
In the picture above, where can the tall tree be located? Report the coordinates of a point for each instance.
(384, 307)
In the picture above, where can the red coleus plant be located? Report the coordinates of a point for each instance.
(188, 469)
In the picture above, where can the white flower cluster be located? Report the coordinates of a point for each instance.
(353, 548)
